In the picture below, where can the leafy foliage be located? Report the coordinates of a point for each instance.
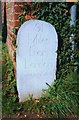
(61, 99)
(9, 94)
(58, 15)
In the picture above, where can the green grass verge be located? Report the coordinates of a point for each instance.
(60, 100)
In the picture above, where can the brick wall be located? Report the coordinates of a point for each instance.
(2, 7)
(0, 17)
(13, 9)
(12, 12)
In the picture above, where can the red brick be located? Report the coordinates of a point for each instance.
(29, 17)
(12, 24)
(11, 35)
(19, 3)
(13, 47)
(9, 4)
(17, 9)
(13, 9)
(10, 10)
(2, 12)
(10, 17)
(16, 23)
(16, 16)
(9, 27)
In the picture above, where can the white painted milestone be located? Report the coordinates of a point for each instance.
(36, 58)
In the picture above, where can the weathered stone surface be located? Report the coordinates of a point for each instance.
(37, 44)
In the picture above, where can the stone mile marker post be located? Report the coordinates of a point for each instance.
(36, 58)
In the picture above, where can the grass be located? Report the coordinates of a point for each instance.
(59, 101)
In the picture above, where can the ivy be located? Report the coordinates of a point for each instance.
(61, 98)
(59, 16)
